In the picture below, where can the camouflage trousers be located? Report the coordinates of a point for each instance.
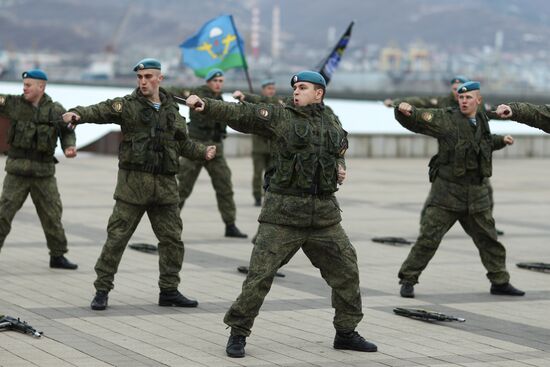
(167, 226)
(260, 162)
(435, 222)
(220, 174)
(46, 199)
(491, 199)
(328, 249)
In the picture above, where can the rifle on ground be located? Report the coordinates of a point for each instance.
(425, 315)
(543, 267)
(396, 241)
(15, 324)
(144, 247)
(244, 269)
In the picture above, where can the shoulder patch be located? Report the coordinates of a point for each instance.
(2, 100)
(427, 116)
(117, 106)
(263, 113)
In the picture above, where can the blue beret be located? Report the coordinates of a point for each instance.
(309, 76)
(459, 79)
(468, 87)
(35, 74)
(147, 64)
(267, 82)
(214, 73)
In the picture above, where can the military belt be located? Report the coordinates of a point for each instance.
(147, 168)
(304, 194)
(462, 180)
(30, 155)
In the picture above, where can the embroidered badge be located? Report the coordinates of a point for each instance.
(263, 113)
(427, 116)
(117, 106)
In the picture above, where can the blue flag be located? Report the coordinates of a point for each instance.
(216, 45)
(330, 64)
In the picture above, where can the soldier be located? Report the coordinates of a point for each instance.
(209, 131)
(526, 113)
(35, 127)
(448, 101)
(300, 209)
(459, 190)
(260, 145)
(154, 136)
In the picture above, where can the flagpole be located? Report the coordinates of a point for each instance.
(334, 50)
(243, 56)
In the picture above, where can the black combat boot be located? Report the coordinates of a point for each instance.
(258, 202)
(61, 262)
(99, 303)
(231, 230)
(353, 341)
(505, 289)
(175, 298)
(407, 290)
(235, 346)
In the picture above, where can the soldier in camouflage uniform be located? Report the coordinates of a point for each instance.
(261, 154)
(448, 101)
(35, 128)
(526, 113)
(300, 210)
(209, 131)
(459, 190)
(154, 136)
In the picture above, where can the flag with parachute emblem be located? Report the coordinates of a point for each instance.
(329, 65)
(216, 45)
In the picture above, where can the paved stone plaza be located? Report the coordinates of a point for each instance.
(381, 197)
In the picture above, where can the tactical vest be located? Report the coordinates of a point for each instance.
(470, 159)
(203, 128)
(33, 133)
(305, 158)
(150, 144)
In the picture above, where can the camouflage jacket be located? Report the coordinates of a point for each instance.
(202, 128)
(430, 102)
(152, 142)
(308, 144)
(260, 144)
(464, 158)
(33, 135)
(533, 115)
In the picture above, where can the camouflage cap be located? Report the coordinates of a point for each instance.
(468, 87)
(34, 74)
(310, 77)
(147, 64)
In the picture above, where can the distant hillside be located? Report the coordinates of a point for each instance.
(88, 26)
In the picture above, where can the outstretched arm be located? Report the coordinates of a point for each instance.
(526, 113)
(260, 119)
(107, 112)
(423, 121)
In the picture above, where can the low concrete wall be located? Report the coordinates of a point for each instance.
(406, 146)
(366, 146)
